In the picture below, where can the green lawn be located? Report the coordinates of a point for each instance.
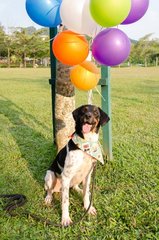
(126, 189)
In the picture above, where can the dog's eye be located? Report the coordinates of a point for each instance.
(96, 113)
(85, 110)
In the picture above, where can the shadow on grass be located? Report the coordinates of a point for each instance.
(33, 146)
(37, 151)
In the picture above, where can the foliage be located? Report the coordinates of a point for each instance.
(144, 50)
(3, 49)
(33, 44)
(126, 189)
(25, 43)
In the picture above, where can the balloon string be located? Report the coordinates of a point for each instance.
(51, 39)
(100, 94)
(90, 96)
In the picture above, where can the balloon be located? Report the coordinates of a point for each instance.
(111, 47)
(76, 17)
(44, 12)
(70, 48)
(109, 13)
(85, 76)
(137, 11)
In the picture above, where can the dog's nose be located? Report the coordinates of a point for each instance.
(88, 115)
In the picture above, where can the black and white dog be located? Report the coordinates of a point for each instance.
(73, 164)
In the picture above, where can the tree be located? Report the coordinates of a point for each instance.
(143, 50)
(9, 45)
(39, 45)
(64, 104)
(3, 49)
(146, 48)
(30, 46)
(5, 45)
(21, 44)
(154, 57)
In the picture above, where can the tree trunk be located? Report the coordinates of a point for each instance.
(64, 105)
(33, 62)
(146, 62)
(8, 58)
(24, 59)
(156, 61)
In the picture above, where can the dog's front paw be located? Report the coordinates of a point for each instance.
(66, 221)
(48, 199)
(92, 211)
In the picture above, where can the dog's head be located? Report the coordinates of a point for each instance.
(89, 118)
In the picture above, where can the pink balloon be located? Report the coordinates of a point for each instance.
(111, 47)
(137, 11)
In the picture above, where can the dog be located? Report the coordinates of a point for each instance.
(73, 164)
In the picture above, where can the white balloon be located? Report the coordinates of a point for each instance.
(75, 15)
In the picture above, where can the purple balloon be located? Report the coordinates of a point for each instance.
(137, 11)
(111, 47)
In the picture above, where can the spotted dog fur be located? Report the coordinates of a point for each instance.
(72, 165)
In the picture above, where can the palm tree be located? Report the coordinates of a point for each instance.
(5, 45)
(38, 46)
(144, 49)
(21, 44)
(155, 51)
(3, 48)
(64, 104)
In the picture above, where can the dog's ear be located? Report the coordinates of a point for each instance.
(75, 113)
(104, 118)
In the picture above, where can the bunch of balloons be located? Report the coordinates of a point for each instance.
(95, 19)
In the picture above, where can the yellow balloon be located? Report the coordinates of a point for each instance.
(109, 13)
(85, 76)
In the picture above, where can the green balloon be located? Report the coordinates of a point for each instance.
(109, 13)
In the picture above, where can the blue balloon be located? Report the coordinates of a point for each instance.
(44, 12)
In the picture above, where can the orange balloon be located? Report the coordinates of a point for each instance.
(70, 48)
(85, 76)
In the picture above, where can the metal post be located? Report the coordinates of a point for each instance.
(52, 81)
(106, 106)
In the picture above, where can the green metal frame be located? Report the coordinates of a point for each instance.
(106, 107)
(106, 100)
(52, 81)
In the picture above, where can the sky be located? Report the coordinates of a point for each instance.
(13, 14)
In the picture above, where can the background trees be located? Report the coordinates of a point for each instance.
(3, 49)
(24, 45)
(30, 47)
(145, 51)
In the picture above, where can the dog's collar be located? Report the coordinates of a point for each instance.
(91, 148)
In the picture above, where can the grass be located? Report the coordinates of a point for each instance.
(126, 189)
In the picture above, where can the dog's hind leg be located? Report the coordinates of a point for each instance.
(50, 183)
